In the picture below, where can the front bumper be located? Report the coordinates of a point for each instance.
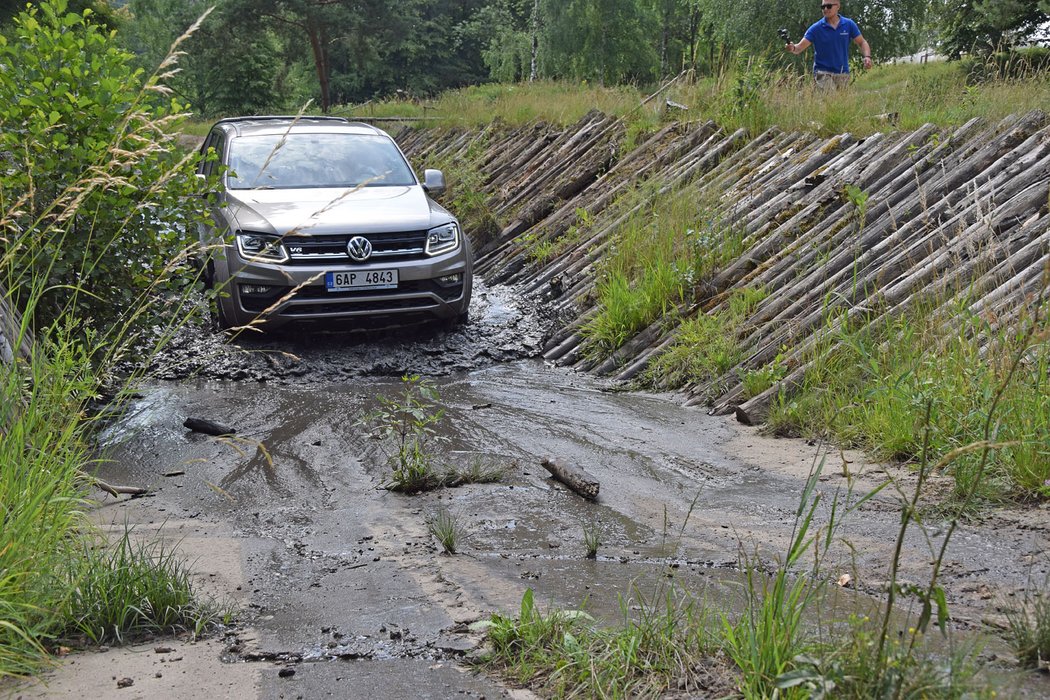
(298, 292)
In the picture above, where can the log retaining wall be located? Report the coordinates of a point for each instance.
(960, 213)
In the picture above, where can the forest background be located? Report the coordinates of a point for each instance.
(267, 56)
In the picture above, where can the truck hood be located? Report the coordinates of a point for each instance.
(317, 211)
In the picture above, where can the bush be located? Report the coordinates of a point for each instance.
(88, 173)
(93, 190)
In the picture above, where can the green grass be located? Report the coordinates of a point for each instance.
(43, 446)
(591, 541)
(515, 104)
(661, 644)
(754, 95)
(705, 346)
(446, 530)
(868, 387)
(1029, 632)
(665, 248)
(132, 589)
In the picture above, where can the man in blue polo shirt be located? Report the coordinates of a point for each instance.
(831, 36)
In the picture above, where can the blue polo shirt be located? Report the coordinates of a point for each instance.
(831, 45)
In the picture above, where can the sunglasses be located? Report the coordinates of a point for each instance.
(828, 5)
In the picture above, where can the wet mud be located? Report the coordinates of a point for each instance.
(341, 577)
(342, 591)
(502, 328)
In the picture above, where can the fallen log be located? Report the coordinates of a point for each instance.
(575, 478)
(115, 491)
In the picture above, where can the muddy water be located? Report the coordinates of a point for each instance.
(340, 580)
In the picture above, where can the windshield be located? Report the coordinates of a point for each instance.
(286, 161)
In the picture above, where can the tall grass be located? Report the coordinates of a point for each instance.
(42, 451)
(58, 247)
(756, 93)
(869, 386)
(515, 104)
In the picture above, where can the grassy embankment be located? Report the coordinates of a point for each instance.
(862, 390)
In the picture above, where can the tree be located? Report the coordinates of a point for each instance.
(984, 26)
(507, 31)
(207, 78)
(601, 40)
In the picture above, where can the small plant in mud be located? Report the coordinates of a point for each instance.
(408, 421)
(446, 529)
(480, 471)
(1029, 632)
(591, 541)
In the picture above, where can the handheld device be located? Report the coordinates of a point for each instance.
(783, 32)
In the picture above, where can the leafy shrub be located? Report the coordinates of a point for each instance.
(93, 190)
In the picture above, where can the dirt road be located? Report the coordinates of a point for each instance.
(343, 592)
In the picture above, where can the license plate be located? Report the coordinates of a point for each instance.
(362, 279)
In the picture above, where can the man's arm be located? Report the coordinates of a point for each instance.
(798, 48)
(860, 41)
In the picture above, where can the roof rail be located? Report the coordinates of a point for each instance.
(277, 117)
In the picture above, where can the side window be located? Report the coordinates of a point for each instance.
(217, 142)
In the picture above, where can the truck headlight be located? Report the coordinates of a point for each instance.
(261, 246)
(442, 239)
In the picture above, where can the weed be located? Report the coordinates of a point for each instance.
(130, 589)
(662, 646)
(1029, 632)
(591, 541)
(408, 421)
(850, 669)
(480, 471)
(758, 380)
(768, 638)
(446, 529)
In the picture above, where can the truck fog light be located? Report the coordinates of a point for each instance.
(255, 289)
(449, 280)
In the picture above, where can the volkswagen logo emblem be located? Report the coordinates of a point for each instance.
(359, 248)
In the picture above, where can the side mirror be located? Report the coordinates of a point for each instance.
(433, 181)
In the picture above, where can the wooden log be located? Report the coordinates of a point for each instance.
(113, 490)
(203, 425)
(575, 478)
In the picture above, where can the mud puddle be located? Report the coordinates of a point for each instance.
(341, 578)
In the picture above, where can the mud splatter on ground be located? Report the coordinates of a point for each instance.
(502, 327)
